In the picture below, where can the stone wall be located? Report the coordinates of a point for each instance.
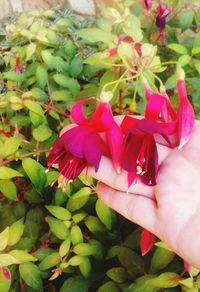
(80, 6)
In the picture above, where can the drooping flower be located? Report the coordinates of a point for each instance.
(162, 13)
(185, 112)
(140, 157)
(82, 145)
(18, 68)
(147, 241)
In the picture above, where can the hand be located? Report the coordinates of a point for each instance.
(171, 209)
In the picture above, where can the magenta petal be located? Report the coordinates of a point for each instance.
(147, 241)
(102, 118)
(115, 142)
(77, 112)
(186, 116)
(128, 123)
(75, 139)
(132, 178)
(93, 150)
(71, 166)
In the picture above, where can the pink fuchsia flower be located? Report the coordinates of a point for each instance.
(18, 68)
(147, 241)
(148, 4)
(140, 157)
(82, 145)
(185, 112)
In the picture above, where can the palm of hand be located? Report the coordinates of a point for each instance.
(171, 209)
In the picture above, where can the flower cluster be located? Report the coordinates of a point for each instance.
(131, 146)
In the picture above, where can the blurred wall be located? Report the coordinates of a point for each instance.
(80, 6)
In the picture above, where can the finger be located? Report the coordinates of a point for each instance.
(108, 175)
(138, 209)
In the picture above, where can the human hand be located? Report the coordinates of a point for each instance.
(170, 209)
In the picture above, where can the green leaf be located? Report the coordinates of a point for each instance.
(131, 260)
(171, 82)
(94, 247)
(186, 19)
(35, 172)
(39, 94)
(31, 48)
(7, 260)
(6, 173)
(142, 284)
(76, 235)
(65, 246)
(47, 58)
(117, 274)
(41, 76)
(31, 275)
(61, 79)
(94, 35)
(34, 107)
(94, 225)
(61, 95)
(42, 133)
(10, 146)
(75, 284)
(70, 83)
(109, 286)
(15, 232)
(161, 258)
(197, 65)
(79, 199)
(189, 282)
(50, 261)
(165, 280)
(178, 48)
(22, 256)
(58, 228)
(4, 239)
(184, 60)
(76, 67)
(5, 279)
(105, 214)
(85, 267)
(60, 65)
(59, 212)
(9, 190)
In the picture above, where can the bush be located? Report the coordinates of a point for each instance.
(65, 238)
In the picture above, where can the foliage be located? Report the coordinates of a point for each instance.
(65, 238)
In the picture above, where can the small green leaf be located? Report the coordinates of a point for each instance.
(35, 172)
(189, 282)
(8, 188)
(47, 58)
(6, 173)
(76, 235)
(65, 246)
(50, 261)
(178, 48)
(85, 267)
(76, 67)
(30, 51)
(15, 232)
(75, 284)
(184, 60)
(109, 286)
(58, 228)
(105, 214)
(10, 146)
(22, 256)
(165, 280)
(31, 275)
(117, 274)
(161, 258)
(41, 76)
(94, 35)
(42, 133)
(7, 260)
(79, 199)
(4, 239)
(59, 212)
(186, 19)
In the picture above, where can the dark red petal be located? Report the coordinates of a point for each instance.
(147, 241)
(112, 52)
(71, 166)
(128, 123)
(132, 178)
(77, 113)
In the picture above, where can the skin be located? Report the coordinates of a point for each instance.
(170, 209)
